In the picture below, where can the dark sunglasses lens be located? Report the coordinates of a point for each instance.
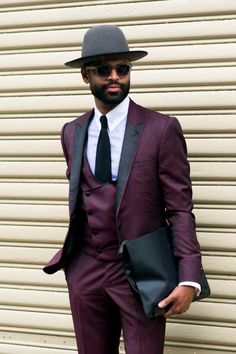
(104, 70)
(122, 69)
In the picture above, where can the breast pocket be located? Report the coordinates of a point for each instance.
(144, 170)
(144, 182)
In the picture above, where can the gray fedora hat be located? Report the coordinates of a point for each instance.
(105, 41)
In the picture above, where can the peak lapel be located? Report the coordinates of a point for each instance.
(133, 132)
(78, 150)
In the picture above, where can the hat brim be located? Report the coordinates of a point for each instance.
(131, 55)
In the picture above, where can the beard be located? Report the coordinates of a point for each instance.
(99, 91)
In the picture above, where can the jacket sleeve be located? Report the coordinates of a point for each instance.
(174, 174)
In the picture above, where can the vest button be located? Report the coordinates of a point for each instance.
(94, 231)
(98, 249)
(87, 194)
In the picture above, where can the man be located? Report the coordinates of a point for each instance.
(128, 176)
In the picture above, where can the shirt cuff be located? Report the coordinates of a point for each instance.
(193, 284)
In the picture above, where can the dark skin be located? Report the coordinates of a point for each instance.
(108, 93)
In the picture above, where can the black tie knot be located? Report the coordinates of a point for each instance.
(103, 120)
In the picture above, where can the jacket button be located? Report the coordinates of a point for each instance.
(94, 231)
(87, 194)
(98, 249)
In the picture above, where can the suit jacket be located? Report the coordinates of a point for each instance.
(153, 186)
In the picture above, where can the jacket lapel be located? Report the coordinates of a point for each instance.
(78, 150)
(133, 132)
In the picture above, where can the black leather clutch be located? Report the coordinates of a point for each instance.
(152, 271)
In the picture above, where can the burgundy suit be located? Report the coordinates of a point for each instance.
(153, 186)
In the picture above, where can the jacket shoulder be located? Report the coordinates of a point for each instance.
(68, 133)
(156, 119)
(78, 120)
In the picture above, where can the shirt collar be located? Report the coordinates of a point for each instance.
(115, 116)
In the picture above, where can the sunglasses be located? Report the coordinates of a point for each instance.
(105, 70)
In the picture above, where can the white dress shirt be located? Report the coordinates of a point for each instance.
(116, 119)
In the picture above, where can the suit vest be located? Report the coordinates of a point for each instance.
(100, 238)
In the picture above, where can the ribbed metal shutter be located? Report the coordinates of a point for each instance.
(189, 73)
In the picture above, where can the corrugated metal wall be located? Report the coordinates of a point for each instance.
(190, 73)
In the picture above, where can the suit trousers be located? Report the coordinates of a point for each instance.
(102, 304)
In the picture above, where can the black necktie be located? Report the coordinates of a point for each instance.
(103, 156)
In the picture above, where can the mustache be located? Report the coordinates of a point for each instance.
(111, 83)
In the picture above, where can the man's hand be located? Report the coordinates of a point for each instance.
(178, 301)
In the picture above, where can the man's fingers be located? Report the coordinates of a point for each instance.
(167, 301)
(178, 301)
(169, 313)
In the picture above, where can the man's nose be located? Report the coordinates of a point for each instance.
(113, 75)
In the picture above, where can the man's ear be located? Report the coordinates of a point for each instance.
(85, 75)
